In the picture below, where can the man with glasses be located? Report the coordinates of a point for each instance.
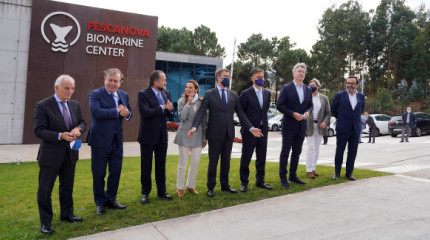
(108, 106)
(347, 107)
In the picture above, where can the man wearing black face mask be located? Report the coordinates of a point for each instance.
(221, 103)
(255, 103)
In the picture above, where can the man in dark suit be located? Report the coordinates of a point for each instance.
(155, 105)
(295, 102)
(409, 122)
(58, 123)
(108, 106)
(347, 107)
(255, 103)
(221, 103)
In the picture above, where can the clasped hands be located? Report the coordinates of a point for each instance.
(123, 110)
(300, 117)
(72, 135)
(168, 105)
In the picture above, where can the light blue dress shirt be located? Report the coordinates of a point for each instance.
(300, 92)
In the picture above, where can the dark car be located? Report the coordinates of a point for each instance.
(423, 125)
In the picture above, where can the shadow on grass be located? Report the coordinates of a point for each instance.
(19, 216)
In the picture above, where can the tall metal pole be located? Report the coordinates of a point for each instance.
(232, 62)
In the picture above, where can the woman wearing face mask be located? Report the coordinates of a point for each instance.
(318, 123)
(188, 105)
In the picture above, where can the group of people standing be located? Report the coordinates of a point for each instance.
(205, 121)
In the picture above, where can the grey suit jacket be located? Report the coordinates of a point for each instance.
(220, 122)
(323, 115)
(187, 114)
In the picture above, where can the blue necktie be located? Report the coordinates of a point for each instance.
(160, 99)
(66, 115)
(224, 100)
(260, 99)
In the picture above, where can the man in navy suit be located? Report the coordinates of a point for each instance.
(155, 105)
(57, 122)
(255, 103)
(295, 102)
(347, 107)
(108, 106)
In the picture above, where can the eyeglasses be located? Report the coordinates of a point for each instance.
(350, 83)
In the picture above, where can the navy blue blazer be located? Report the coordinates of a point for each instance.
(152, 118)
(105, 119)
(251, 106)
(288, 103)
(412, 119)
(347, 119)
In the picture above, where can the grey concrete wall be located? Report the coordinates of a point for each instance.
(15, 17)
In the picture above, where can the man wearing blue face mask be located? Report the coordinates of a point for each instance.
(221, 103)
(255, 103)
(409, 122)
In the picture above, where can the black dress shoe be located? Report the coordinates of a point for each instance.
(145, 199)
(210, 193)
(285, 184)
(296, 180)
(336, 176)
(165, 196)
(350, 177)
(100, 210)
(264, 186)
(229, 189)
(243, 188)
(116, 205)
(46, 229)
(71, 219)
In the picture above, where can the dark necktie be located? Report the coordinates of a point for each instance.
(224, 100)
(66, 115)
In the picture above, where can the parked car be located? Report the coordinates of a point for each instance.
(332, 127)
(236, 119)
(273, 111)
(275, 123)
(381, 121)
(423, 125)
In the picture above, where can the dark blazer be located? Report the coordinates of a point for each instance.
(412, 119)
(152, 118)
(251, 106)
(372, 126)
(346, 118)
(105, 118)
(288, 103)
(220, 119)
(48, 123)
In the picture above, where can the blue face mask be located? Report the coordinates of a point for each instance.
(259, 82)
(408, 111)
(196, 97)
(313, 89)
(225, 82)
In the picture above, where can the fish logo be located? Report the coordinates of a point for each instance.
(60, 32)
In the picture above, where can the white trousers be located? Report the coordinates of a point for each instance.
(196, 152)
(314, 143)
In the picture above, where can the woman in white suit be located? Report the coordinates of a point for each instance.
(188, 105)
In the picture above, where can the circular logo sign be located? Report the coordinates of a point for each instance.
(60, 43)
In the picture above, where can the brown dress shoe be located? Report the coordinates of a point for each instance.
(315, 173)
(192, 190)
(311, 175)
(181, 193)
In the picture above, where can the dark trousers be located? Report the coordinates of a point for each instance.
(47, 177)
(370, 136)
(159, 150)
(292, 139)
(219, 147)
(350, 138)
(100, 159)
(325, 139)
(249, 143)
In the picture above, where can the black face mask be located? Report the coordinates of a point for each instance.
(313, 89)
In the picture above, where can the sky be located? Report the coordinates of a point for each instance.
(231, 19)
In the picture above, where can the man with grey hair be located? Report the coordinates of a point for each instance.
(109, 106)
(295, 102)
(58, 123)
(409, 122)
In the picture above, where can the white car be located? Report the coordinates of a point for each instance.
(275, 123)
(332, 127)
(381, 121)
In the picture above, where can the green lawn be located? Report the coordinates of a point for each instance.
(19, 216)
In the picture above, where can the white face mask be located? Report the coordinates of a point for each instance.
(196, 97)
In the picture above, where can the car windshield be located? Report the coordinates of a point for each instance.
(396, 118)
(277, 117)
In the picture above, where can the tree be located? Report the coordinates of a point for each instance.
(421, 50)
(206, 43)
(255, 50)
